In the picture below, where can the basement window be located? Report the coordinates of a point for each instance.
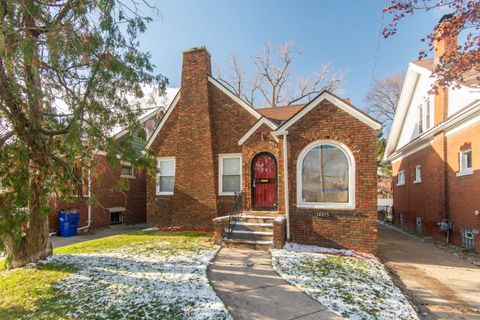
(465, 162)
(401, 178)
(468, 238)
(116, 217)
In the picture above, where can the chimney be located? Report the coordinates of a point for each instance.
(195, 183)
(445, 43)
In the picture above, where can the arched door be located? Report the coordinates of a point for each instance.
(264, 182)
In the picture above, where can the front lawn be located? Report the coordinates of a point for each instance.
(353, 286)
(142, 275)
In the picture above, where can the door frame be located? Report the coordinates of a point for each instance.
(252, 177)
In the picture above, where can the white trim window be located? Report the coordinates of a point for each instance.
(165, 175)
(401, 178)
(418, 174)
(326, 176)
(424, 116)
(229, 174)
(465, 162)
(127, 170)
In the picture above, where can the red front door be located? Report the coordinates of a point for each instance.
(264, 182)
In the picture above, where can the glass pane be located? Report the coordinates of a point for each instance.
(127, 171)
(166, 167)
(166, 184)
(231, 183)
(325, 175)
(231, 166)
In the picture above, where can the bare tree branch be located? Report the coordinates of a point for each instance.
(273, 81)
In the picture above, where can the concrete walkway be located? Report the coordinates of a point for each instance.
(246, 283)
(443, 286)
(110, 231)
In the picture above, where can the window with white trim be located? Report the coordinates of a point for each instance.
(465, 162)
(230, 174)
(418, 174)
(401, 178)
(326, 176)
(165, 175)
(127, 171)
(424, 116)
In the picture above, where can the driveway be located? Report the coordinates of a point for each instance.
(107, 232)
(442, 285)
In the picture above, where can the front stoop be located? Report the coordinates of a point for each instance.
(253, 231)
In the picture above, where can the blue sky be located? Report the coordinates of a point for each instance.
(342, 32)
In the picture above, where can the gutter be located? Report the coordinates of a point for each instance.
(285, 178)
(89, 188)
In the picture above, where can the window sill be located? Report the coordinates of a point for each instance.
(127, 177)
(467, 172)
(332, 206)
(400, 184)
(164, 194)
(417, 181)
(226, 194)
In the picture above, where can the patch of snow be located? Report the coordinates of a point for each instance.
(151, 229)
(347, 283)
(139, 282)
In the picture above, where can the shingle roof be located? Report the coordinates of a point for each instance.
(470, 78)
(281, 113)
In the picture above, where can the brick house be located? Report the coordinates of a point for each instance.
(304, 172)
(111, 204)
(434, 148)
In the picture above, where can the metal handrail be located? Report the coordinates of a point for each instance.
(235, 213)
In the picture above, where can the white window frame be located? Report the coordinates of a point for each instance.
(418, 174)
(220, 172)
(463, 171)
(401, 182)
(422, 110)
(128, 176)
(350, 205)
(157, 176)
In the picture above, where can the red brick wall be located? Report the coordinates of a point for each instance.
(435, 198)
(425, 199)
(353, 229)
(106, 194)
(464, 190)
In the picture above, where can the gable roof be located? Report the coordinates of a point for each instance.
(164, 119)
(281, 113)
(470, 78)
(254, 128)
(235, 98)
(342, 104)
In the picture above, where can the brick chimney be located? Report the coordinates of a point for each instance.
(445, 45)
(195, 175)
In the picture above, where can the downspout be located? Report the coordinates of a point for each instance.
(285, 178)
(89, 194)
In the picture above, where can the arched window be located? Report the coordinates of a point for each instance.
(326, 176)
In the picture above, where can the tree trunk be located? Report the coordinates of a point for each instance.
(35, 245)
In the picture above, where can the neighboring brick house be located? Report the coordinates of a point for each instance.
(211, 146)
(434, 148)
(117, 192)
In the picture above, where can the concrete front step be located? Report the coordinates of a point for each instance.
(248, 244)
(252, 235)
(252, 226)
(256, 219)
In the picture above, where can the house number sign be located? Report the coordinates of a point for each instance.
(323, 214)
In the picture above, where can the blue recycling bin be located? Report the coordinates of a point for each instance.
(68, 223)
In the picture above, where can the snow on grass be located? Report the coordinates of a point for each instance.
(352, 285)
(160, 277)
